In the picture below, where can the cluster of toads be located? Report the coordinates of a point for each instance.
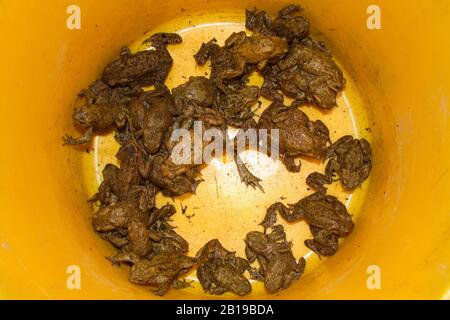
(292, 65)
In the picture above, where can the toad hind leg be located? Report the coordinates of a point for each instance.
(246, 176)
(244, 173)
(84, 139)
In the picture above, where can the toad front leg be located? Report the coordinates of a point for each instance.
(84, 139)
(290, 164)
(317, 180)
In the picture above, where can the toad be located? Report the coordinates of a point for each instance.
(123, 223)
(278, 267)
(351, 159)
(258, 21)
(220, 270)
(139, 238)
(236, 106)
(102, 94)
(116, 217)
(99, 109)
(326, 216)
(175, 184)
(143, 68)
(299, 136)
(197, 92)
(194, 101)
(168, 239)
(122, 183)
(159, 271)
(151, 117)
(239, 51)
(288, 24)
(106, 194)
(128, 175)
(307, 74)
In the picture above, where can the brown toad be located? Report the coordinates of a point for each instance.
(139, 239)
(290, 25)
(287, 25)
(144, 67)
(307, 74)
(175, 184)
(165, 237)
(299, 136)
(116, 217)
(351, 159)
(197, 92)
(151, 116)
(236, 106)
(278, 267)
(239, 51)
(99, 109)
(326, 216)
(124, 183)
(220, 270)
(159, 271)
(194, 101)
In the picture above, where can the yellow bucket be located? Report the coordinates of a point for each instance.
(396, 97)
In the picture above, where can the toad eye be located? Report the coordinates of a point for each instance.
(83, 116)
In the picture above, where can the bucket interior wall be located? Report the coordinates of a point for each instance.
(403, 224)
